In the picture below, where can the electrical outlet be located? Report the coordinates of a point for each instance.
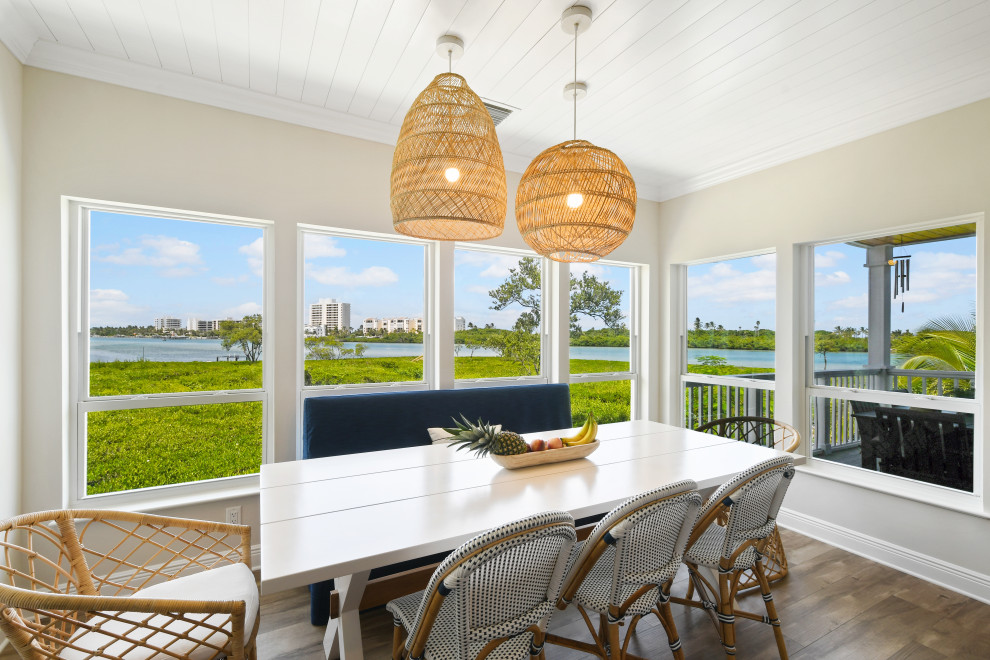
(234, 515)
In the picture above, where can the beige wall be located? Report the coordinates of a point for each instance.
(928, 170)
(11, 76)
(94, 140)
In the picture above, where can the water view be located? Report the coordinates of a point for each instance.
(129, 349)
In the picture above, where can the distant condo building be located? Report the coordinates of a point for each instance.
(197, 325)
(330, 314)
(402, 324)
(168, 323)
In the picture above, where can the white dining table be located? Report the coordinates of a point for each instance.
(340, 517)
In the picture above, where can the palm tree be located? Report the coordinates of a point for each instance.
(946, 343)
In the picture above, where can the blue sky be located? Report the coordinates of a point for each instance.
(740, 292)
(144, 267)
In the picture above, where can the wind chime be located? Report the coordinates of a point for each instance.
(902, 275)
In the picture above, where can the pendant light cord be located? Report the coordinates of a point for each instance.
(574, 90)
(450, 60)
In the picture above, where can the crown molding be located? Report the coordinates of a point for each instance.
(15, 33)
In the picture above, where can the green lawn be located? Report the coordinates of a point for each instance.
(145, 447)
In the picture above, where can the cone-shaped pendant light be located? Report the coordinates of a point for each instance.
(448, 180)
(576, 202)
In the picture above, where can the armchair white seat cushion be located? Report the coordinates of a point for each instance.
(233, 582)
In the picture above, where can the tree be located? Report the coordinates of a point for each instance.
(245, 333)
(330, 348)
(947, 343)
(520, 347)
(589, 296)
(825, 343)
(697, 323)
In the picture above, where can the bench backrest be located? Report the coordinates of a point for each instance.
(348, 424)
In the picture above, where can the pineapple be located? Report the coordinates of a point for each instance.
(482, 438)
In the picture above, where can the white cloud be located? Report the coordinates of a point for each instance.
(852, 302)
(113, 307)
(495, 266)
(229, 281)
(832, 279)
(345, 277)
(828, 259)
(318, 245)
(255, 251)
(242, 310)
(940, 261)
(480, 290)
(765, 261)
(577, 269)
(726, 285)
(165, 252)
(184, 271)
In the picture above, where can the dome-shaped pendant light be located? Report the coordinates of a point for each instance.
(448, 180)
(576, 202)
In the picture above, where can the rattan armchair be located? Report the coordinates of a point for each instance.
(751, 501)
(626, 566)
(81, 585)
(765, 432)
(492, 597)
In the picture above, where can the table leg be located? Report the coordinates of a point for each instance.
(343, 637)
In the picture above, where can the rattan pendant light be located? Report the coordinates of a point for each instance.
(448, 180)
(576, 202)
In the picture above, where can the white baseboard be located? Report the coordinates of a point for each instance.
(957, 578)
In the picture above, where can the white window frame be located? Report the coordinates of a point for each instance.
(679, 277)
(306, 391)
(637, 285)
(75, 213)
(878, 481)
(546, 323)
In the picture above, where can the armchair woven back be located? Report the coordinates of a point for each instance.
(497, 585)
(643, 539)
(763, 431)
(753, 499)
(66, 572)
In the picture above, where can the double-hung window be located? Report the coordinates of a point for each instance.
(168, 368)
(893, 389)
(604, 329)
(364, 316)
(500, 317)
(728, 339)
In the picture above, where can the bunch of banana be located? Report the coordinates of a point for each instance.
(587, 434)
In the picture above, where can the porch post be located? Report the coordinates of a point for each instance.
(879, 308)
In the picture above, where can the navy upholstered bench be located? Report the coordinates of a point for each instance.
(349, 424)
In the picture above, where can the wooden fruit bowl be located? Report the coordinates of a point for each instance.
(531, 458)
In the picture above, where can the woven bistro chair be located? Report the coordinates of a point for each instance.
(81, 585)
(490, 598)
(625, 568)
(765, 432)
(751, 500)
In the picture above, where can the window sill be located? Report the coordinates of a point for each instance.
(170, 497)
(932, 495)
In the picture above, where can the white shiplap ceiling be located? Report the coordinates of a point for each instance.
(689, 93)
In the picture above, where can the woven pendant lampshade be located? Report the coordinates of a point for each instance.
(576, 202)
(448, 180)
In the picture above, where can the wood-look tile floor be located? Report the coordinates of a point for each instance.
(833, 605)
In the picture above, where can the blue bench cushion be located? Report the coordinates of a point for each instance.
(353, 423)
(349, 424)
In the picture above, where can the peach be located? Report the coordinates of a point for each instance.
(555, 443)
(539, 444)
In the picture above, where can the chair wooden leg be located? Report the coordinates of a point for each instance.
(666, 618)
(726, 615)
(614, 643)
(771, 609)
(398, 641)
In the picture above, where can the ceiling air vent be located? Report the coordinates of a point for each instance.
(498, 111)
